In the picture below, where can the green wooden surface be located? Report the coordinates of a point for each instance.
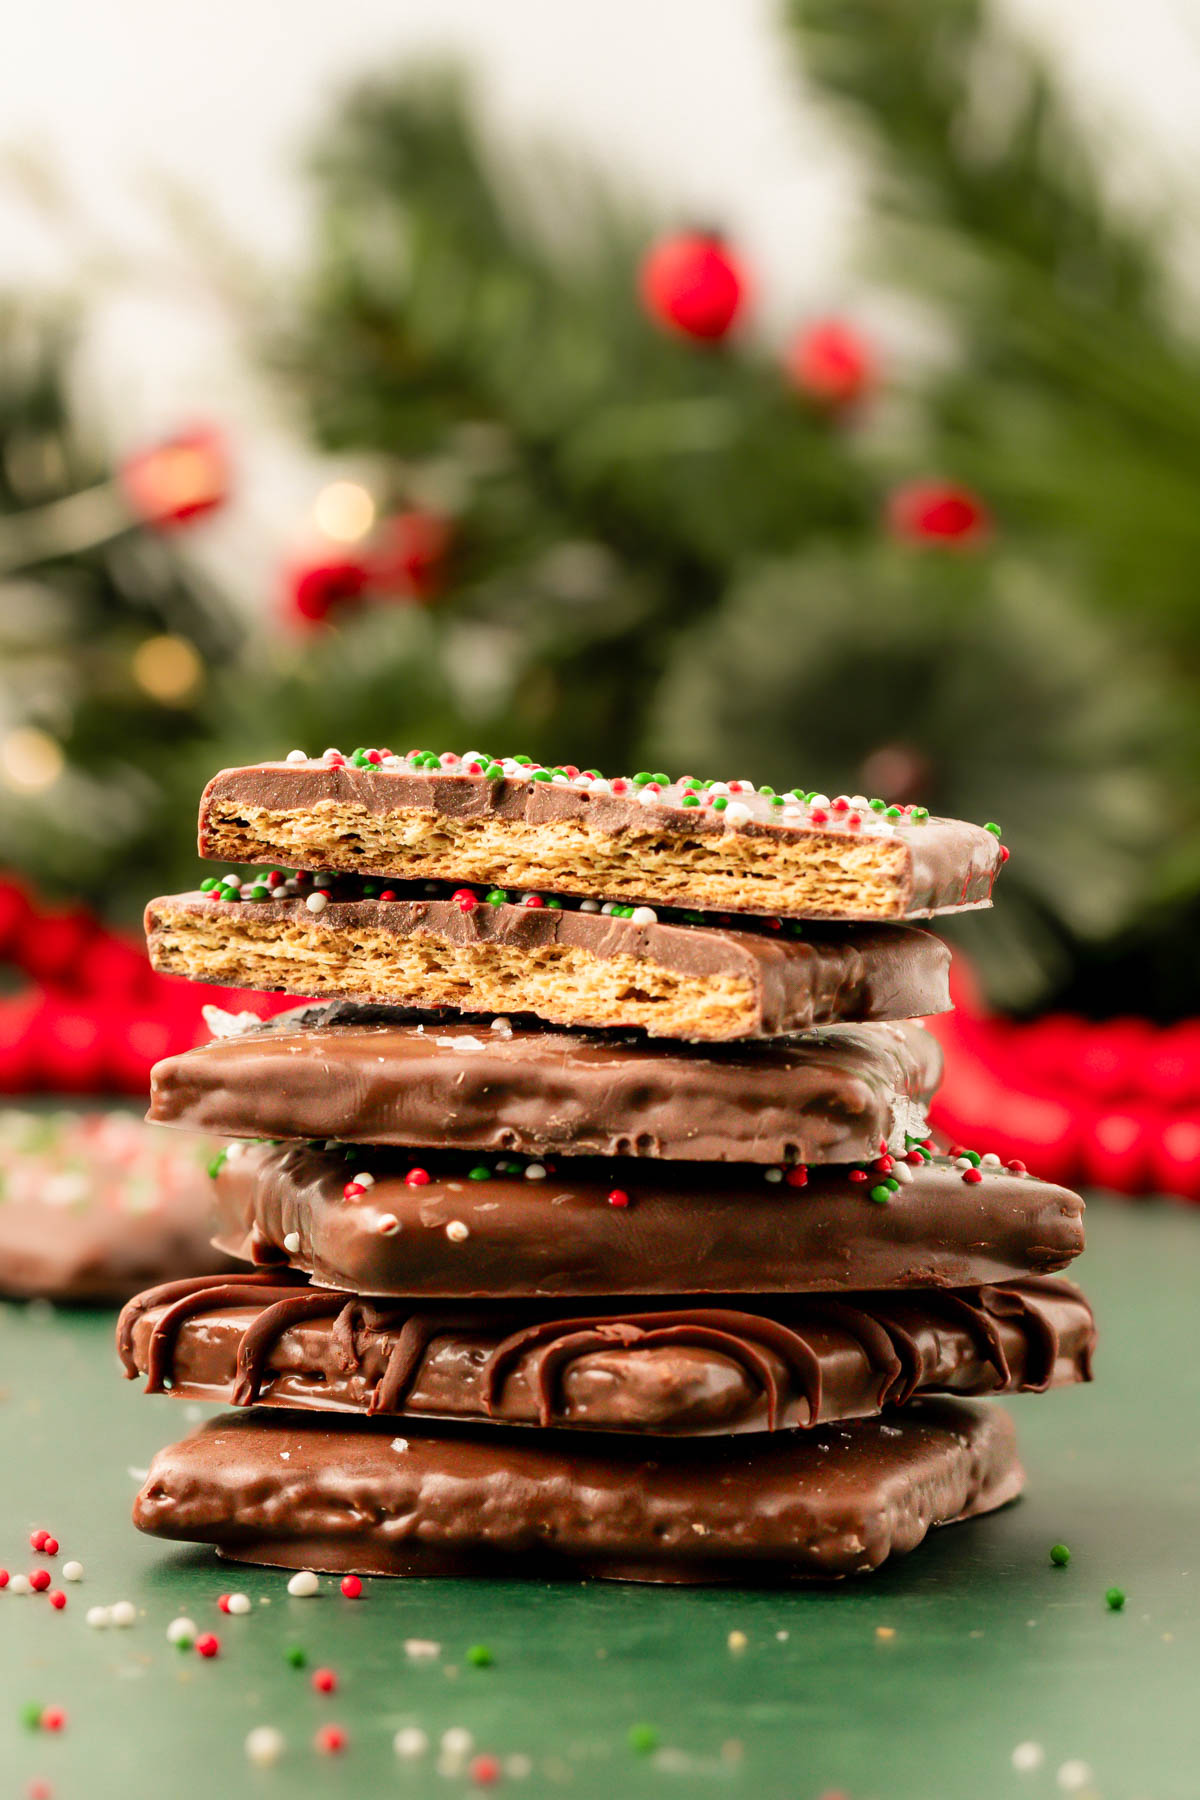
(992, 1647)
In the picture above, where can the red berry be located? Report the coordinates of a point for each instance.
(330, 1740)
(691, 284)
(797, 1177)
(324, 1681)
(484, 1770)
(618, 1197)
(831, 363)
(53, 1718)
(417, 1178)
(208, 1644)
(39, 1581)
(351, 1587)
(933, 512)
(57, 1599)
(971, 1175)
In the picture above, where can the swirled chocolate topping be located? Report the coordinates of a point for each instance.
(380, 1222)
(684, 1369)
(364, 1076)
(342, 1494)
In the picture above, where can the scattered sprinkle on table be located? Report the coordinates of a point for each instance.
(72, 1571)
(737, 1640)
(303, 1585)
(1114, 1599)
(182, 1633)
(410, 1742)
(1027, 1757)
(352, 1587)
(330, 1740)
(264, 1745)
(1074, 1775)
(1060, 1556)
(480, 1657)
(643, 1739)
(885, 1633)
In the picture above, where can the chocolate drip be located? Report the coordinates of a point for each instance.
(163, 1295)
(260, 1338)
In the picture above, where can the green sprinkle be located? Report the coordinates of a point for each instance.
(208, 884)
(494, 772)
(523, 760)
(496, 897)
(642, 777)
(664, 780)
(480, 1657)
(541, 775)
(295, 1656)
(553, 905)
(764, 789)
(889, 1181)
(1060, 1556)
(230, 893)
(881, 1194)
(643, 1739)
(877, 805)
(776, 799)
(479, 1174)
(30, 1715)
(720, 803)
(260, 893)
(971, 1156)
(993, 828)
(217, 1164)
(891, 812)
(1114, 1599)
(920, 814)
(689, 800)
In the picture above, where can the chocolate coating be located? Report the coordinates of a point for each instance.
(346, 1494)
(767, 984)
(686, 1370)
(367, 1077)
(372, 820)
(689, 1228)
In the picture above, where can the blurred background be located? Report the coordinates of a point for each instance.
(807, 393)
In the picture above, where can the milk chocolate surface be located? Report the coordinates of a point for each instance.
(424, 1227)
(683, 1369)
(352, 1495)
(370, 1077)
(616, 841)
(562, 964)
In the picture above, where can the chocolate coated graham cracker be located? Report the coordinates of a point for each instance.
(387, 1222)
(561, 964)
(626, 839)
(365, 1076)
(345, 1495)
(691, 1369)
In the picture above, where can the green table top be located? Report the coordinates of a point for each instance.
(985, 1646)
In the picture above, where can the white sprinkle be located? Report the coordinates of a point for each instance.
(457, 1232)
(123, 1614)
(457, 1741)
(234, 1152)
(399, 1445)
(990, 1159)
(387, 1224)
(316, 903)
(782, 1637)
(222, 1024)
(518, 1765)
(608, 908)
(819, 800)
(303, 1585)
(737, 1641)
(589, 906)
(233, 881)
(19, 1585)
(1074, 1775)
(296, 756)
(72, 1571)
(502, 1024)
(718, 787)
(536, 1172)
(365, 1180)
(264, 1745)
(600, 786)
(747, 787)
(332, 751)
(410, 1741)
(238, 1605)
(902, 1171)
(648, 797)
(792, 815)
(291, 1242)
(98, 1617)
(735, 813)
(560, 781)
(963, 1162)
(181, 1631)
(772, 1174)
(419, 1648)
(1028, 1756)
(643, 915)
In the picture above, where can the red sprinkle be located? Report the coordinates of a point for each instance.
(417, 1178)
(620, 785)
(336, 761)
(841, 804)
(352, 1190)
(914, 1156)
(40, 1790)
(618, 1197)
(39, 1581)
(3, 1578)
(797, 1177)
(388, 894)
(57, 1599)
(223, 1602)
(854, 821)
(37, 1540)
(465, 900)
(484, 1770)
(1005, 853)
(858, 1175)
(971, 1175)
(818, 816)
(1016, 1168)
(884, 1165)
(351, 1587)
(53, 1718)
(330, 1740)
(533, 900)
(324, 1681)
(208, 1644)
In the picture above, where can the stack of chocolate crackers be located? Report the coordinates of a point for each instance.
(591, 1217)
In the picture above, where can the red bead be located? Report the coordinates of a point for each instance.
(1016, 1167)
(351, 1587)
(417, 1178)
(40, 1790)
(373, 756)
(840, 805)
(570, 771)
(39, 1581)
(858, 1175)
(484, 1770)
(618, 1197)
(223, 1602)
(352, 1190)
(620, 785)
(971, 1175)
(208, 1644)
(533, 900)
(336, 761)
(831, 363)
(854, 821)
(324, 1681)
(914, 1156)
(927, 512)
(53, 1718)
(330, 1740)
(3, 1578)
(37, 1539)
(1005, 853)
(465, 900)
(388, 894)
(57, 1599)
(885, 1164)
(818, 816)
(797, 1177)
